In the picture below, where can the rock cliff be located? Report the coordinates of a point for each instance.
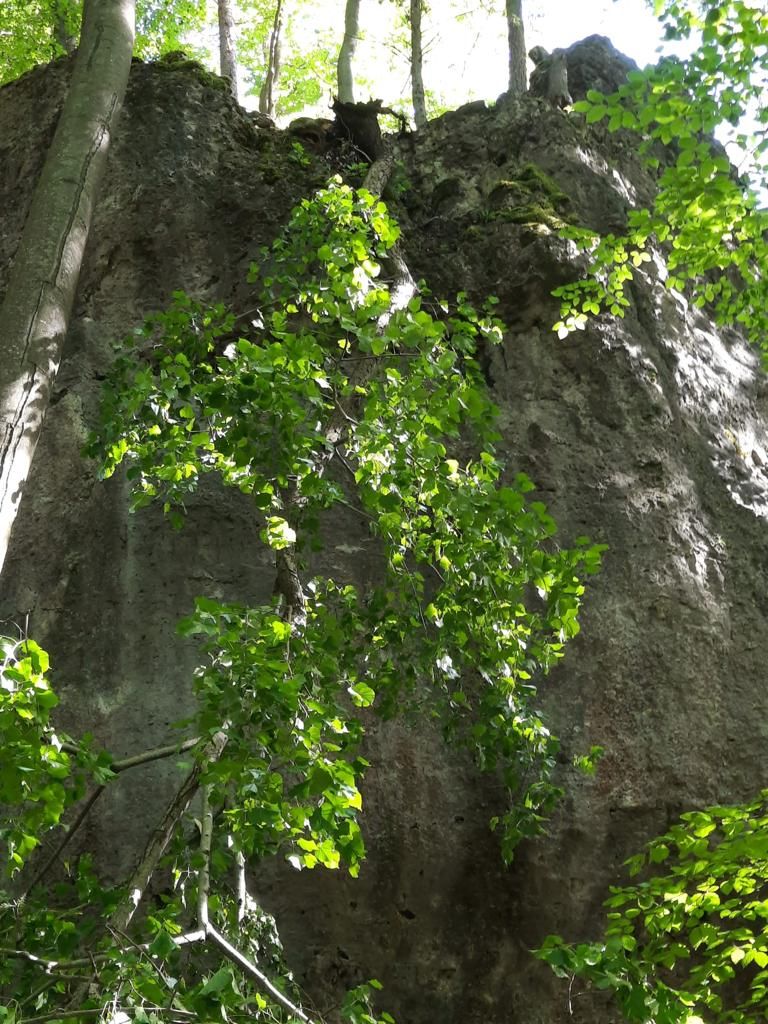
(647, 433)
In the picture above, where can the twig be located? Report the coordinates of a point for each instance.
(249, 968)
(66, 839)
(204, 872)
(161, 836)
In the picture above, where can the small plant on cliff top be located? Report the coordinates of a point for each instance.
(709, 220)
(339, 389)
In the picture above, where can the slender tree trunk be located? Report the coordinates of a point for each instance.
(518, 79)
(417, 79)
(227, 56)
(345, 80)
(38, 302)
(268, 92)
(61, 32)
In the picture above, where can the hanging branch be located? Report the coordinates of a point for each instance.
(161, 836)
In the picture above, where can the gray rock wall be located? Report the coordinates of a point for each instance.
(648, 434)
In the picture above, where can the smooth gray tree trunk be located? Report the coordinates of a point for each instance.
(268, 91)
(345, 80)
(227, 55)
(38, 303)
(518, 79)
(417, 78)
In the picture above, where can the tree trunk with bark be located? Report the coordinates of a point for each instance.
(417, 79)
(345, 81)
(518, 79)
(38, 301)
(268, 91)
(227, 55)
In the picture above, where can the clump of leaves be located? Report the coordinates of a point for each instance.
(707, 218)
(34, 768)
(339, 387)
(453, 626)
(689, 942)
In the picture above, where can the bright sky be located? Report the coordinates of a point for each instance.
(469, 59)
(466, 58)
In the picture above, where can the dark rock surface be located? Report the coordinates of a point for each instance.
(595, 63)
(647, 433)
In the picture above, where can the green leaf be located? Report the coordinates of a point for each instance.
(162, 945)
(222, 979)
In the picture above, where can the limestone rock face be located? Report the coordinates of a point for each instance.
(648, 434)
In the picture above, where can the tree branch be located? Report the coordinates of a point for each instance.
(66, 839)
(160, 838)
(249, 968)
(204, 874)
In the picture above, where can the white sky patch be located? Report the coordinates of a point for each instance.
(465, 55)
(465, 47)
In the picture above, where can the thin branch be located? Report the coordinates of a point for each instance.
(98, 1011)
(49, 966)
(204, 873)
(142, 950)
(249, 968)
(154, 755)
(66, 839)
(242, 889)
(64, 1015)
(161, 836)
(144, 758)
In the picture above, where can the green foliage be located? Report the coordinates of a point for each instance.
(299, 155)
(163, 27)
(706, 217)
(688, 943)
(32, 30)
(356, 1008)
(453, 627)
(587, 763)
(34, 768)
(289, 761)
(28, 33)
(307, 73)
(331, 394)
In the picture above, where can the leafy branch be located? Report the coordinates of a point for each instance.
(341, 364)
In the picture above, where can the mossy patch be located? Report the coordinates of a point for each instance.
(177, 60)
(530, 198)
